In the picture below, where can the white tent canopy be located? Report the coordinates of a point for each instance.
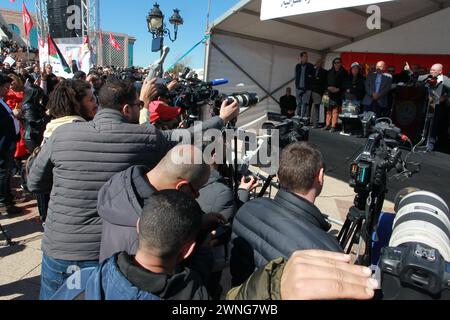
(262, 54)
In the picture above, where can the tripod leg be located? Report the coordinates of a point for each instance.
(8, 239)
(351, 238)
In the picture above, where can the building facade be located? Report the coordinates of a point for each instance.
(12, 20)
(105, 54)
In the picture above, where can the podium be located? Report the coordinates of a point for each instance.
(409, 110)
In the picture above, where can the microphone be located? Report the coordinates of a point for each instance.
(156, 68)
(218, 82)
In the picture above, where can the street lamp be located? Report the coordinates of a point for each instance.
(157, 27)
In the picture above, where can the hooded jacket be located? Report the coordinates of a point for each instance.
(56, 123)
(120, 204)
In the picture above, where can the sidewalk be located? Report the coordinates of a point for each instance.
(20, 265)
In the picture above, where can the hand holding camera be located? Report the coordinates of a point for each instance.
(229, 111)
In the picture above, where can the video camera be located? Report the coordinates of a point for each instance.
(191, 94)
(291, 130)
(381, 154)
(369, 175)
(416, 263)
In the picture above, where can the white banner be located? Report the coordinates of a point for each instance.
(75, 54)
(271, 9)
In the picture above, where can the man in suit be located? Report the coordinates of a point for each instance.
(439, 91)
(304, 73)
(378, 85)
(9, 131)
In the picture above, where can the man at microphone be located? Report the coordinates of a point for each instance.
(439, 89)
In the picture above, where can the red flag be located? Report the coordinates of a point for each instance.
(114, 42)
(27, 20)
(86, 40)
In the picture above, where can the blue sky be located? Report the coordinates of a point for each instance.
(129, 16)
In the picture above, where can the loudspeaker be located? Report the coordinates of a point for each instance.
(64, 18)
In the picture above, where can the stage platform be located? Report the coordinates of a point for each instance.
(339, 151)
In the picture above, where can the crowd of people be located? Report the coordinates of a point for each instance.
(120, 211)
(125, 218)
(369, 89)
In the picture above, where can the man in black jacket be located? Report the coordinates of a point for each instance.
(304, 73)
(120, 201)
(265, 229)
(319, 84)
(288, 104)
(9, 130)
(78, 160)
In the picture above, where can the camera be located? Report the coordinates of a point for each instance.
(369, 176)
(416, 263)
(191, 94)
(291, 130)
(414, 272)
(381, 154)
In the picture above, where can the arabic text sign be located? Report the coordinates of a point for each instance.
(272, 9)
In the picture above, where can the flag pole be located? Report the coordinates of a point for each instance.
(28, 48)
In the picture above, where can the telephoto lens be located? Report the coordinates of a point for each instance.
(423, 217)
(416, 266)
(245, 99)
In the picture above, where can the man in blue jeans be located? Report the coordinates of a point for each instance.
(55, 272)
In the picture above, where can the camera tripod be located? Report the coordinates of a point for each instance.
(362, 219)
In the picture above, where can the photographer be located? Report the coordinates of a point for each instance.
(266, 229)
(168, 228)
(307, 275)
(79, 159)
(439, 90)
(218, 197)
(120, 201)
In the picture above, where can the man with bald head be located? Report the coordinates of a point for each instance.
(439, 89)
(378, 86)
(121, 200)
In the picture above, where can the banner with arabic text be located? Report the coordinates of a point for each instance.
(272, 9)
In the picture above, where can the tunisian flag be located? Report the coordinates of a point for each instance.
(27, 20)
(114, 42)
